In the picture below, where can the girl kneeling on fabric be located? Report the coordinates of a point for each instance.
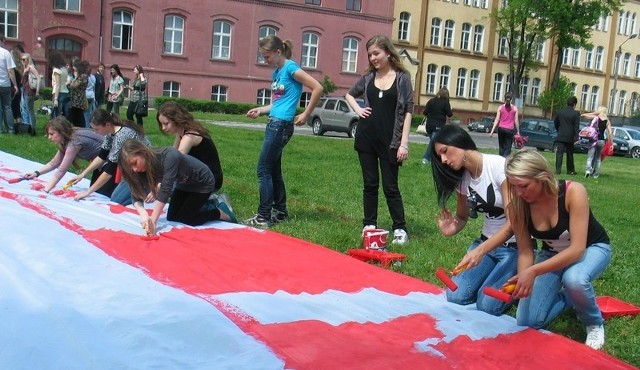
(157, 170)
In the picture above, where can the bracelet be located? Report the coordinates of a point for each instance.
(402, 146)
(37, 173)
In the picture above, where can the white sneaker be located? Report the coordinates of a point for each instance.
(400, 237)
(595, 336)
(368, 227)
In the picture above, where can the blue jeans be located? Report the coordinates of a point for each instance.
(7, 114)
(270, 180)
(427, 154)
(122, 194)
(593, 158)
(571, 286)
(494, 270)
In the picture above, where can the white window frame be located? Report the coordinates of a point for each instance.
(584, 97)
(449, 33)
(478, 38)
(436, 25)
(595, 98)
(222, 34)
(350, 54)
(599, 58)
(461, 83)
(498, 85)
(9, 17)
(445, 77)
(66, 5)
(474, 83)
(432, 77)
(310, 45)
(535, 90)
(465, 37)
(173, 38)
(171, 88)
(122, 34)
(404, 26)
(219, 93)
(263, 97)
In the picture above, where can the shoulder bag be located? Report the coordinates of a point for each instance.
(142, 108)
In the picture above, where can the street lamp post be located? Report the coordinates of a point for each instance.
(614, 91)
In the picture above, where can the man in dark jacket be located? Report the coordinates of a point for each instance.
(567, 123)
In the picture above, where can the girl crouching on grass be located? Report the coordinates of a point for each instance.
(156, 171)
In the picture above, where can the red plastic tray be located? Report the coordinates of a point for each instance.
(610, 307)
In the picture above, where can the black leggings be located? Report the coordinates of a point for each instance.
(187, 207)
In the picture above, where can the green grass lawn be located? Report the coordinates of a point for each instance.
(325, 203)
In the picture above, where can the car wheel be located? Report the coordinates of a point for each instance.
(316, 127)
(352, 129)
(635, 152)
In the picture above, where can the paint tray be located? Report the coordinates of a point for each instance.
(610, 306)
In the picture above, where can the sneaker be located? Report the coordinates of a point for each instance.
(257, 221)
(223, 207)
(279, 216)
(595, 336)
(425, 161)
(224, 197)
(587, 173)
(400, 237)
(368, 227)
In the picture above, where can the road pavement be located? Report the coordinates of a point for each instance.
(482, 140)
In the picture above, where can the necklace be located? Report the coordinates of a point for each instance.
(383, 82)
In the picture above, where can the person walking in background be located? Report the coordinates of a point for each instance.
(288, 80)
(99, 86)
(436, 111)
(77, 94)
(139, 91)
(480, 182)
(192, 137)
(29, 94)
(575, 246)
(171, 177)
(90, 93)
(506, 122)
(599, 121)
(60, 92)
(116, 90)
(16, 100)
(73, 144)
(383, 131)
(567, 123)
(8, 87)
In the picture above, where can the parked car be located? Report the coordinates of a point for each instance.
(541, 133)
(632, 136)
(482, 125)
(620, 146)
(334, 114)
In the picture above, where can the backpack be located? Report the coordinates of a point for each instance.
(590, 132)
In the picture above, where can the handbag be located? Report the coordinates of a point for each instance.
(33, 82)
(142, 107)
(607, 150)
(422, 127)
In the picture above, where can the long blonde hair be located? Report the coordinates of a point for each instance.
(528, 164)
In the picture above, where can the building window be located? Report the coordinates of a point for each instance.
(588, 59)
(584, 97)
(498, 83)
(633, 103)
(122, 37)
(436, 23)
(575, 57)
(403, 26)
(535, 91)
(621, 98)
(474, 83)
(449, 27)
(502, 45)
(171, 88)
(311, 2)
(626, 64)
(565, 56)
(461, 85)
(221, 40)
(219, 93)
(465, 38)
(485, 4)
(9, 18)
(173, 34)
(263, 32)
(540, 51)
(595, 98)
(637, 66)
(478, 35)
(599, 56)
(264, 97)
(445, 76)
(309, 50)
(524, 89)
(432, 77)
(349, 55)
(68, 5)
(355, 5)
(305, 98)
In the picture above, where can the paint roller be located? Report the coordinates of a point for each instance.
(64, 188)
(443, 275)
(17, 179)
(503, 294)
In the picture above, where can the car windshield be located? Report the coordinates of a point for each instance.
(635, 135)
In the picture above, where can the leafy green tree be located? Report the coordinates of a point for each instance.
(556, 97)
(328, 86)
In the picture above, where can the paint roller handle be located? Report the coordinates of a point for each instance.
(459, 269)
(497, 294)
(446, 280)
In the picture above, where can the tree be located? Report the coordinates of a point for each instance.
(328, 86)
(554, 98)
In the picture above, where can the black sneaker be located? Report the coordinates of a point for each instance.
(278, 216)
(257, 221)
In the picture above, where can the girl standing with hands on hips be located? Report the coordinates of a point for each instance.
(288, 79)
(144, 168)
(507, 123)
(575, 246)
(382, 138)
